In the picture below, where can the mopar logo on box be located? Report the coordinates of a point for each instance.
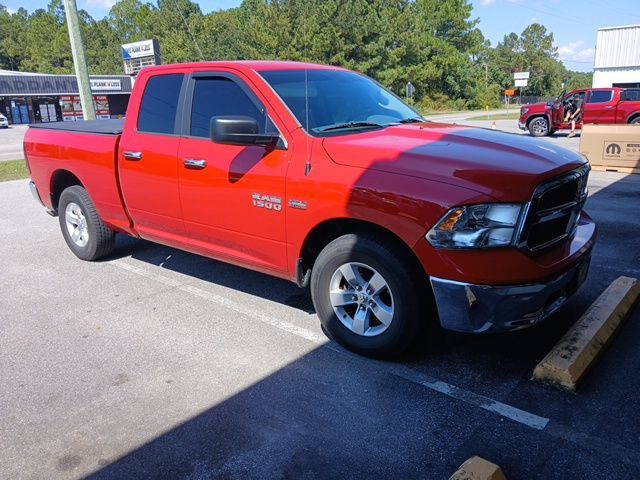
(622, 150)
(613, 149)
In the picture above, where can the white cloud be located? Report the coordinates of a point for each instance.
(486, 3)
(574, 52)
(534, 20)
(11, 11)
(105, 4)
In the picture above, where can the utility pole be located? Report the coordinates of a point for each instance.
(79, 61)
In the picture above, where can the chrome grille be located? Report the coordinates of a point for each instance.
(554, 210)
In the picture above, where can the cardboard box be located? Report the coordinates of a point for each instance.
(612, 147)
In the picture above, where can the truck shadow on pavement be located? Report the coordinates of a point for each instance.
(213, 271)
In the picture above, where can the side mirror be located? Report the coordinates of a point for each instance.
(240, 130)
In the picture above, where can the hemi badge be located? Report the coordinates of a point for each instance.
(299, 204)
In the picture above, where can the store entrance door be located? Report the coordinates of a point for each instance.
(47, 109)
(19, 111)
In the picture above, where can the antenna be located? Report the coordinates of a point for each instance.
(307, 168)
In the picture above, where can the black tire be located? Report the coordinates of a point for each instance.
(635, 121)
(100, 241)
(406, 284)
(539, 127)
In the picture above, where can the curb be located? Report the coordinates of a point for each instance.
(477, 468)
(572, 357)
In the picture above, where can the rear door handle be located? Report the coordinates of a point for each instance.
(195, 164)
(133, 156)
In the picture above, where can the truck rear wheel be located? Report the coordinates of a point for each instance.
(367, 296)
(82, 228)
(539, 127)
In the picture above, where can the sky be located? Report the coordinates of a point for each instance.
(573, 22)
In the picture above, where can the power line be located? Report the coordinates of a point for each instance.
(193, 38)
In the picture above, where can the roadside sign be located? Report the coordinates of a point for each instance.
(521, 83)
(510, 92)
(521, 76)
(138, 55)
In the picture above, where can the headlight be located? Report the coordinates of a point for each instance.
(476, 226)
(523, 110)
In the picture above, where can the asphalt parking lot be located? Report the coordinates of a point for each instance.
(156, 363)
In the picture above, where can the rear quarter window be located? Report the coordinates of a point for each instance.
(600, 96)
(159, 104)
(630, 96)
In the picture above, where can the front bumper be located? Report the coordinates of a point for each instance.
(522, 126)
(464, 307)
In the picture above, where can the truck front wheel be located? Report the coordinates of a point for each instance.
(82, 228)
(539, 127)
(367, 296)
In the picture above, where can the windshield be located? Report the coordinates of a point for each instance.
(338, 100)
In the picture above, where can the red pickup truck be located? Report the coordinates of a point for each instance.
(320, 176)
(600, 105)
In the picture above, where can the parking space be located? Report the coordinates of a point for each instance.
(161, 364)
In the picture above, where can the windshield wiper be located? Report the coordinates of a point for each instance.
(343, 126)
(412, 120)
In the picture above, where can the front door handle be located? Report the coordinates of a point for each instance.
(133, 156)
(195, 164)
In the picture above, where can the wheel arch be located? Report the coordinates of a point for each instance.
(634, 116)
(327, 231)
(60, 180)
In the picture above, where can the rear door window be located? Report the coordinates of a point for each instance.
(600, 96)
(159, 105)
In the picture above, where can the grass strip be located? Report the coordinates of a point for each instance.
(13, 170)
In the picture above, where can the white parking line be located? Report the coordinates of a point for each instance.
(507, 411)
(225, 302)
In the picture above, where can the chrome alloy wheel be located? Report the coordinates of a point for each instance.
(361, 299)
(539, 126)
(76, 224)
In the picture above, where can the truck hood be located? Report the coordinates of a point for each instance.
(505, 166)
(537, 108)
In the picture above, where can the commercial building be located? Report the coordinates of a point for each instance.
(617, 59)
(38, 98)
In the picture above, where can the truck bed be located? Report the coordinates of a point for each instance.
(104, 127)
(86, 150)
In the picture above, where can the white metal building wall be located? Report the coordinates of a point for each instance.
(617, 58)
